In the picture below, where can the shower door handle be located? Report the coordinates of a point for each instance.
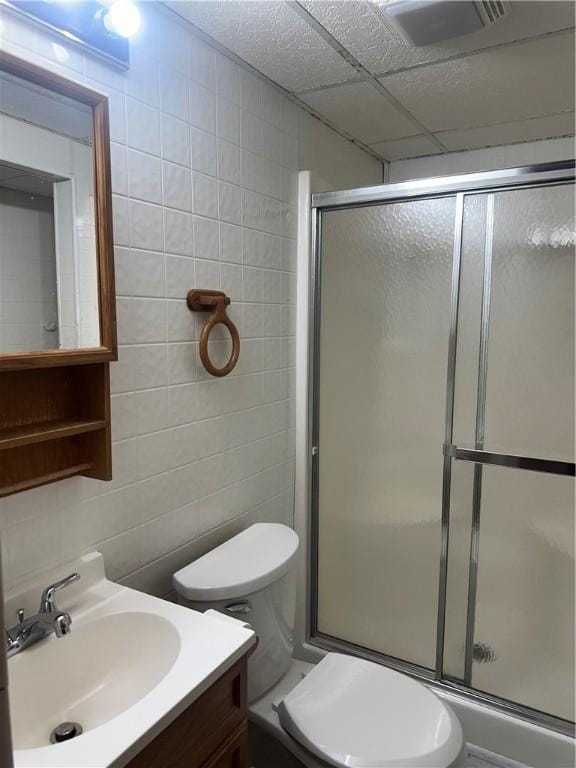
(531, 463)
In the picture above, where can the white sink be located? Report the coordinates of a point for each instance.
(103, 667)
(131, 664)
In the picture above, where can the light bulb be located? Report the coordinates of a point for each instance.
(122, 18)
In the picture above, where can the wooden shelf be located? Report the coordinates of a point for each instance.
(49, 430)
(54, 423)
(33, 482)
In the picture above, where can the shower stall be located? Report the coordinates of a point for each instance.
(441, 439)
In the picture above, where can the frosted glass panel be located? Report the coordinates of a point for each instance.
(385, 311)
(530, 385)
(525, 597)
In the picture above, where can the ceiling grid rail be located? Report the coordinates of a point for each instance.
(366, 75)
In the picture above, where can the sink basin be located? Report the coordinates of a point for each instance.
(131, 664)
(98, 671)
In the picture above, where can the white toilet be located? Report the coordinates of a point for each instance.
(343, 711)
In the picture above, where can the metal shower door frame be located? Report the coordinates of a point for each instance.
(455, 187)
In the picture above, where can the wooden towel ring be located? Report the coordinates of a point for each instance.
(199, 300)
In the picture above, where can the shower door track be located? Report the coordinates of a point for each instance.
(448, 186)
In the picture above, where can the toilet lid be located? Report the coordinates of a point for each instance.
(246, 563)
(357, 714)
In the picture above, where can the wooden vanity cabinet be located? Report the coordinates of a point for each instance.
(234, 753)
(211, 733)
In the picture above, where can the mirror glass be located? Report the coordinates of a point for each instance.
(48, 261)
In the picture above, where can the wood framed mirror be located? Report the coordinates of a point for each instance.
(56, 254)
(57, 297)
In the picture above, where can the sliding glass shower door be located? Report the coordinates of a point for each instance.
(443, 438)
(385, 319)
(514, 397)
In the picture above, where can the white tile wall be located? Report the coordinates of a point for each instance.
(203, 154)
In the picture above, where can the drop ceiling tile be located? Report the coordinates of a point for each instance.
(362, 111)
(359, 28)
(513, 83)
(401, 149)
(272, 38)
(362, 28)
(549, 127)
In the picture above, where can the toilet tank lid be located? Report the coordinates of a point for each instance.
(244, 564)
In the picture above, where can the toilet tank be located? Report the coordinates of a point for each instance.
(251, 577)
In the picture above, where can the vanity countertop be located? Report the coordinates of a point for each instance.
(130, 666)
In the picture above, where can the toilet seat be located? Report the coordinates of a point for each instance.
(354, 713)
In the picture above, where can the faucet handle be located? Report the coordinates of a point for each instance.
(47, 602)
(62, 624)
(20, 615)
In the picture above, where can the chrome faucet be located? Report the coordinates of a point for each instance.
(48, 620)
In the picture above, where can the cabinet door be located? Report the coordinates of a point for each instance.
(234, 754)
(203, 730)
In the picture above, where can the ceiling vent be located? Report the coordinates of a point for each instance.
(492, 11)
(424, 22)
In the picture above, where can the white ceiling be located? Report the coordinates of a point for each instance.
(510, 83)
